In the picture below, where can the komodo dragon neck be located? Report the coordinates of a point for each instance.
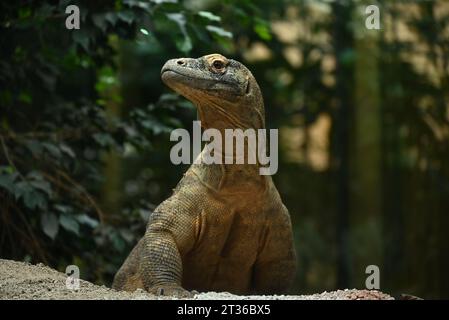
(227, 96)
(228, 179)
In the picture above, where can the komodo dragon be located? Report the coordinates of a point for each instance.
(224, 228)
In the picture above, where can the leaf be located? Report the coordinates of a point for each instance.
(242, 15)
(200, 33)
(42, 185)
(34, 175)
(209, 15)
(69, 223)
(33, 200)
(103, 139)
(164, 1)
(144, 31)
(48, 79)
(111, 17)
(82, 38)
(100, 21)
(262, 29)
(31, 197)
(118, 242)
(35, 147)
(85, 219)
(21, 188)
(127, 235)
(144, 214)
(25, 97)
(153, 125)
(170, 97)
(127, 16)
(50, 225)
(185, 43)
(67, 150)
(44, 11)
(25, 13)
(52, 149)
(7, 181)
(219, 31)
(139, 4)
(186, 105)
(62, 208)
(7, 169)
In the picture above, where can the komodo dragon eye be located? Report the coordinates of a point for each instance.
(218, 66)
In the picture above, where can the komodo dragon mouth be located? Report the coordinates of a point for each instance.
(170, 76)
(192, 76)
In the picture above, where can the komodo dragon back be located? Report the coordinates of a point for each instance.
(224, 228)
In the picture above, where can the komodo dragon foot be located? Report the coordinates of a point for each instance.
(172, 290)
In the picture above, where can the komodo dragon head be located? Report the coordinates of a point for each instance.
(225, 92)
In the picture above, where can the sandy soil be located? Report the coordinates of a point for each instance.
(19, 280)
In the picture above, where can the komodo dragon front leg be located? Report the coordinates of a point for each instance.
(275, 267)
(167, 237)
(155, 264)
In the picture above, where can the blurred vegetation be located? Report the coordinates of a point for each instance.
(363, 118)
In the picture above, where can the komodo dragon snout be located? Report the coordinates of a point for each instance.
(224, 228)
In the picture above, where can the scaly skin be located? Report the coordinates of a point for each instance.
(224, 228)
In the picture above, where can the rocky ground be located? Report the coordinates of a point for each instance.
(19, 280)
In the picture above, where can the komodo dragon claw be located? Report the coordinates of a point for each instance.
(175, 291)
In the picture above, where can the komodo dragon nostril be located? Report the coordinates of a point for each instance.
(180, 62)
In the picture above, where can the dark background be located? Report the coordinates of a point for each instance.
(363, 118)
